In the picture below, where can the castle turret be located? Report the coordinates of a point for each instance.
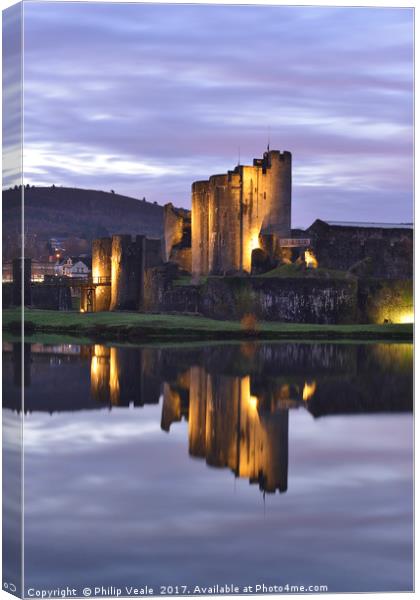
(278, 193)
(127, 272)
(101, 272)
(200, 228)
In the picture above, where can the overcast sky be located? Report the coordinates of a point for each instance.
(146, 99)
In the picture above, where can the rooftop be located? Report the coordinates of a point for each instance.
(369, 224)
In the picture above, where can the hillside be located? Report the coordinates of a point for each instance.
(52, 212)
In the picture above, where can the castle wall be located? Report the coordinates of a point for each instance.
(101, 269)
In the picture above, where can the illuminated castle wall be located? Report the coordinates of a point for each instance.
(231, 211)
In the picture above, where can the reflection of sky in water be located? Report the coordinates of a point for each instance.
(112, 498)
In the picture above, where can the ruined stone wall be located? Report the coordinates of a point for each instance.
(177, 233)
(172, 228)
(231, 210)
(127, 272)
(101, 270)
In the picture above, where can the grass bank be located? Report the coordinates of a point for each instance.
(138, 327)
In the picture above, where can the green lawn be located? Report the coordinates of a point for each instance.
(131, 325)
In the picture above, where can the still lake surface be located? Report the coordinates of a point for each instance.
(279, 463)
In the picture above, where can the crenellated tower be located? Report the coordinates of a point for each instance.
(231, 211)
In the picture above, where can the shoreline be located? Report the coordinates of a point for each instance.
(144, 328)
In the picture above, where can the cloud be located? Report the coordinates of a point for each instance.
(173, 93)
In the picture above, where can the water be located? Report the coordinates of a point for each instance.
(241, 464)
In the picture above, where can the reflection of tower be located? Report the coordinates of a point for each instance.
(263, 442)
(175, 400)
(221, 419)
(229, 428)
(197, 412)
(18, 358)
(99, 374)
(271, 451)
(124, 376)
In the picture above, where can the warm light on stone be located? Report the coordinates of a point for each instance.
(310, 260)
(406, 317)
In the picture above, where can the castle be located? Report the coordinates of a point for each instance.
(240, 226)
(235, 253)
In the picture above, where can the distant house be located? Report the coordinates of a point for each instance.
(73, 267)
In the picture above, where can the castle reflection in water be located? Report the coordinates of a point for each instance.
(235, 398)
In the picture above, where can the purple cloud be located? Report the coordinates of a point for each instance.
(145, 99)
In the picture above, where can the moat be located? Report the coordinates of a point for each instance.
(271, 463)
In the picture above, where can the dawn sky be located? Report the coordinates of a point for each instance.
(146, 99)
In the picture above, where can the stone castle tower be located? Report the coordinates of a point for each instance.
(234, 212)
